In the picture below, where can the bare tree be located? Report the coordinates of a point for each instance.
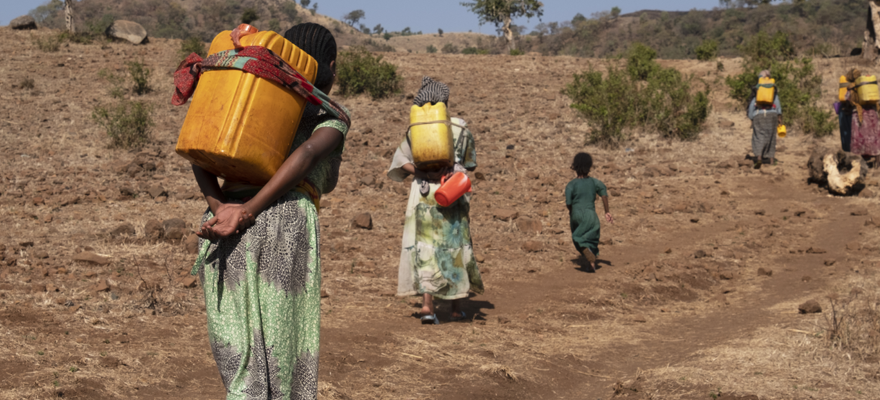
(68, 16)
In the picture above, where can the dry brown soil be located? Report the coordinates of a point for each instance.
(90, 309)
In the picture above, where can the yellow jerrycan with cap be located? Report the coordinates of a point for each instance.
(766, 91)
(869, 93)
(430, 137)
(844, 84)
(240, 127)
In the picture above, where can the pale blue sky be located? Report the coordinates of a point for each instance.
(427, 16)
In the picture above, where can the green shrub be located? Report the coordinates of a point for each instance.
(387, 36)
(289, 9)
(360, 71)
(473, 50)
(50, 43)
(116, 83)
(192, 45)
(140, 75)
(516, 52)
(431, 49)
(249, 15)
(798, 85)
(719, 66)
(128, 123)
(640, 61)
(373, 45)
(707, 50)
(449, 48)
(662, 101)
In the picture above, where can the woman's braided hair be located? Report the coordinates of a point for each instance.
(319, 43)
(582, 164)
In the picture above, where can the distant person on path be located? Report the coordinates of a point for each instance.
(765, 120)
(437, 259)
(845, 114)
(865, 123)
(259, 261)
(580, 198)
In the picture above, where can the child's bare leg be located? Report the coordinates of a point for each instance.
(427, 304)
(591, 258)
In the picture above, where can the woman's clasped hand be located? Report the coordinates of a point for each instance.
(230, 219)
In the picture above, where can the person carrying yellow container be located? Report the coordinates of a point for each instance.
(259, 258)
(437, 258)
(765, 111)
(862, 96)
(845, 109)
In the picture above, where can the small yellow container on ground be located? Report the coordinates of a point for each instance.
(766, 94)
(431, 143)
(240, 127)
(869, 93)
(841, 96)
(781, 131)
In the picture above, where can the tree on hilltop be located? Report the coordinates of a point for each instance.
(305, 3)
(353, 17)
(502, 12)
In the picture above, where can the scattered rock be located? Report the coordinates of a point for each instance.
(38, 288)
(192, 244)
(760, 212)
(101, 286)
(24, 22)
(503, 320)
(189, 282)
(157, 191)
(51, 288)
(529, 225)
(700, 254)
(153, 230)
(816, 250)
(506, 214)
(47, 218)
(533, 175)
(640, 319)
(829, 262)
(363, 221)
(368, 180)
(480, 259)
(93, 258)
(127, 30)
(866, 193)
(765, 272)
(695, 220)
(325, 293)
(810, 307)
(533, 246)
(41, 254)
(860, 211)
(806, 278)
(606, 241)
(175, 229)
(853, 246)
(479, 176)
(126, 229)
(724, 123)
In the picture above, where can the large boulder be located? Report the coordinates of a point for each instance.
(843, 173)
(127, 30)
(23, 22)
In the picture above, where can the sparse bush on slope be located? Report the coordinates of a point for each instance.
(360, 71)
(641, 95)
(127, 123)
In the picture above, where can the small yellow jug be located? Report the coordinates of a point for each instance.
(780, 131)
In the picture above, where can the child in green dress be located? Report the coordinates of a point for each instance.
(580, 198)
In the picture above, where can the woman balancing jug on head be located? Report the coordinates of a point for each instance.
(437, 255)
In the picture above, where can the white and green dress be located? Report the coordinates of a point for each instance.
(263, 286)
(437, 256)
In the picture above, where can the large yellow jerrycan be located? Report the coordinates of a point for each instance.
(240, 127)
(869, 93)
(430, 137)
(844, 84)
(766, 91)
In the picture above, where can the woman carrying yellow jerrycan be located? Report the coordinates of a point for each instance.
(863, 96)
(437, 259)
(765, 111)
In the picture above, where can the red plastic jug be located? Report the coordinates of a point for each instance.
(451, 189)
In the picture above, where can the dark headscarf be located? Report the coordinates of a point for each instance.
(319, 43)
(432, 92)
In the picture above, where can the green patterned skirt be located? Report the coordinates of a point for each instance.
(437, 256)
(262, 296)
